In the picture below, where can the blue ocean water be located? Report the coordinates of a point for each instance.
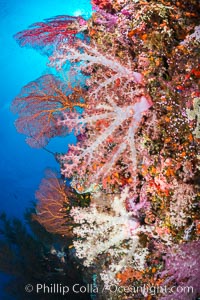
(21, 167)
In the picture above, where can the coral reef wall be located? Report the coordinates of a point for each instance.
(127, 86)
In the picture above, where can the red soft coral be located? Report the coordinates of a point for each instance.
(103, 4)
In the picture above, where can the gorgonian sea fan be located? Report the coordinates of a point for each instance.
(51, 30)
(53, 203)
(40, 104)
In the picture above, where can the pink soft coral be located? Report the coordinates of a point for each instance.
(182, 267)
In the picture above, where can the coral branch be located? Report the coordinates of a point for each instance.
(90, 56)
(96, 150)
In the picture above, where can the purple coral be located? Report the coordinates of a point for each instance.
(182, 267)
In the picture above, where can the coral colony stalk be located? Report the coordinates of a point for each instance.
(134, 170)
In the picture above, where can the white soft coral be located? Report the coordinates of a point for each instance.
(113, 232)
